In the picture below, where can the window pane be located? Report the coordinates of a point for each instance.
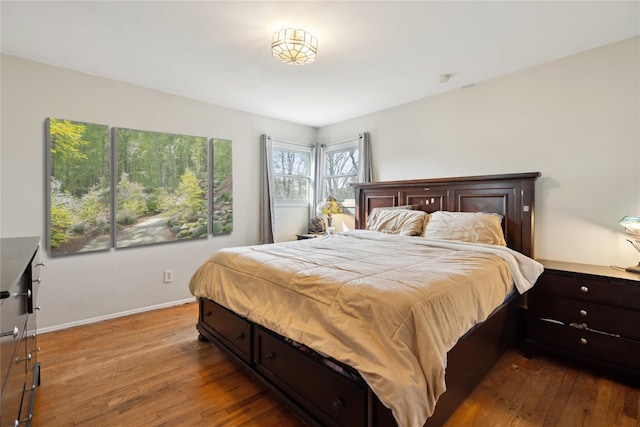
(340, 188)
(291, 188)
(343, 162)
(287, 162)
(291, 170)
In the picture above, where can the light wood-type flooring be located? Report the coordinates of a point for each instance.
(149, 369)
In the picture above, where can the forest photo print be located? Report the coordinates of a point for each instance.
(161, 187)
(132, 187)
(79, 196)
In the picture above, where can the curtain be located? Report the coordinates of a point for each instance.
(318, 152)
(365, 172)
(267, 196)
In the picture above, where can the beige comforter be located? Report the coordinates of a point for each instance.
(389, 306)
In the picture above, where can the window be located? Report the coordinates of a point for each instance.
(340, 169)
(292, 170)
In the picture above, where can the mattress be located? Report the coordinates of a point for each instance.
(389, 306)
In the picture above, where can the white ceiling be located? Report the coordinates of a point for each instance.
(371, 55)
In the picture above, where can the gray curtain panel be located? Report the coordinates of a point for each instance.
(366, 171)
(267, 196)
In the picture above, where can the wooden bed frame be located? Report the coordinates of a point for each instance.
(321, 395)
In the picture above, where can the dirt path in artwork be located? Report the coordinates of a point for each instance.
(153, 229)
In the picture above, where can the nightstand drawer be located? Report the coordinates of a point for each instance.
(613, 320)
(587, 289)
(619, 351)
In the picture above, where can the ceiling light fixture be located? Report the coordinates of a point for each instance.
(296, 47)
(444, 78)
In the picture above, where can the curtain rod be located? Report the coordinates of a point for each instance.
(346, 140)
(283, 141)
(311, 144)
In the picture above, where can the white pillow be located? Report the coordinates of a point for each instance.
(405, 222)
(472, 227)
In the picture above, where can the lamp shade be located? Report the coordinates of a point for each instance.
(631, 224)
(330, 206)
(295, 47)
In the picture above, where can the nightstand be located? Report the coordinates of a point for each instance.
(309, 236)
(588, 312)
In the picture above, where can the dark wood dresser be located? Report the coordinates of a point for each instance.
(588, 312)
(19, 367)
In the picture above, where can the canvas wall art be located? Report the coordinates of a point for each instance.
(79, 191)
(222, 183)
(160, 186)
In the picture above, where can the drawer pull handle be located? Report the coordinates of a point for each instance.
(24, 359)
(22, 421)
(583, 313)
(270, 356)
(14, 332)
(336, 404)
(583, 341)
(208, 314)
(584, 289)
(23, 294)
(40, 264)
(240, 336)
(38, 280)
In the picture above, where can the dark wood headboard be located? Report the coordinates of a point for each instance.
(511, 195)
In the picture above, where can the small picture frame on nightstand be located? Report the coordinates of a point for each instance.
(317, 225)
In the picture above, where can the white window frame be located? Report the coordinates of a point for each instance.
(296, 148)
(324, 178)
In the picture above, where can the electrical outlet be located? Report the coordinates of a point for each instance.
(168, 276)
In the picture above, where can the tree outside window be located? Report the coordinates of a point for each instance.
(340, 170)
(292, 175)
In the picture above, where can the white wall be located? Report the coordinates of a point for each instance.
(575, 120)
(291, 220)
(90, 286)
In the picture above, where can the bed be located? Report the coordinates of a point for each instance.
(302, 316)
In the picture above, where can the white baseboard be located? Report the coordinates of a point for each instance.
(113, 316)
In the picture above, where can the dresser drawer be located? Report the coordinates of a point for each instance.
(230, 328)
(18, 259)
(614, 320)
(31, 340)
(13, 322)
(331, 398)
(589, 289)
(618, 351)
(15, 384)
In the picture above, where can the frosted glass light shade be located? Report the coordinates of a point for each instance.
(295, 47)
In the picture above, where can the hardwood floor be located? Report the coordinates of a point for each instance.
(149, 369)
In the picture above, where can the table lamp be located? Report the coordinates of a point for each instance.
(631, 225)
(330, 206)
